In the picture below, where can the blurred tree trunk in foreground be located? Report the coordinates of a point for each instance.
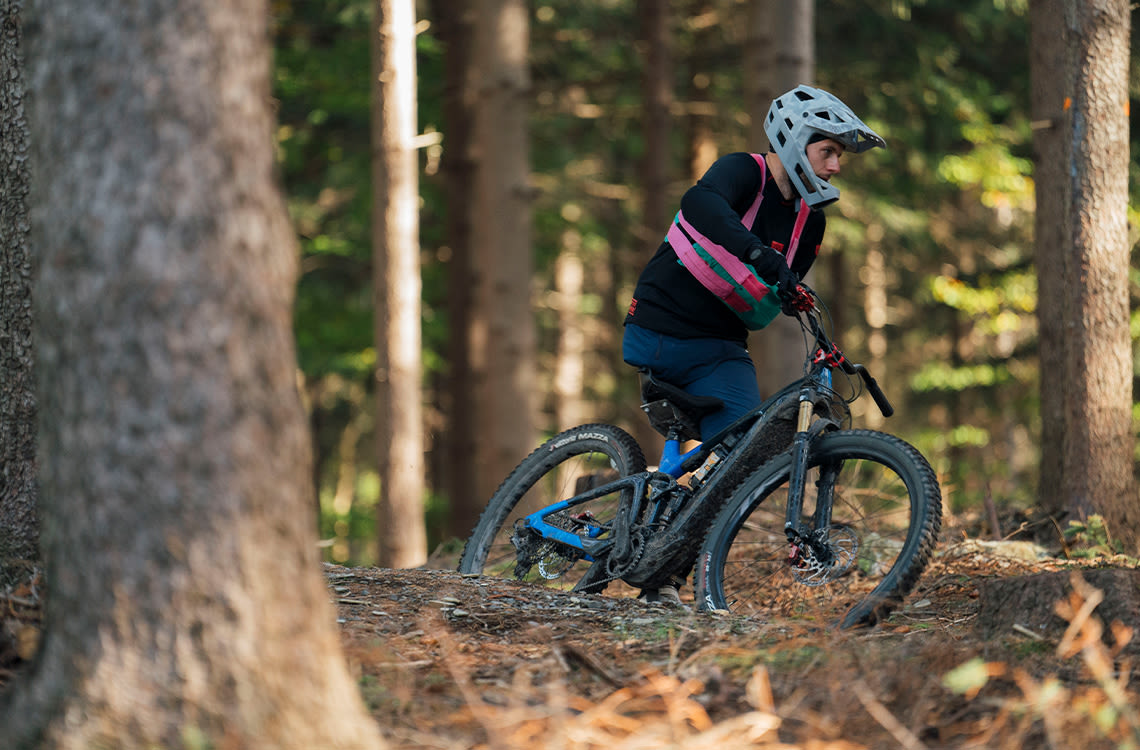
(396, 286)
(185, 605)
(19, 524)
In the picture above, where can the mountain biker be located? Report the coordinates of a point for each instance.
(688, 321)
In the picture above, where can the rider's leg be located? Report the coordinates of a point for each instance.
(702, 367)
(733, 380)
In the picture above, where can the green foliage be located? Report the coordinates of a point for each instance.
(949, 203)
(1090, 538)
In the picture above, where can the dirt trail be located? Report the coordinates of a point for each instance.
(453, 661)
(976, 657)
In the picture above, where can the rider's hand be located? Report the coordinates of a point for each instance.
(799, 300)
(771, 266)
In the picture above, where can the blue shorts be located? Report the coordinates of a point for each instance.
(701, 367)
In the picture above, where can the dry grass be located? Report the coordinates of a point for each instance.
(924, 680)
(851, 696)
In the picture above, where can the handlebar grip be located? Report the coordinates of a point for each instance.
(875, 391)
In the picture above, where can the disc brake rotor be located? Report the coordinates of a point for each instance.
(840, 551)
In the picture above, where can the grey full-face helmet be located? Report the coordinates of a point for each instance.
(805, 114)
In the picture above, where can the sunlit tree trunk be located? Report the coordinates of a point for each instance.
(780, 56)
(874, 277)
(19, 525)
(185, 602)
(1098, 452)
(570, 363)
(396, 286)
(1047, 69)
(504, 330)
(455, 19)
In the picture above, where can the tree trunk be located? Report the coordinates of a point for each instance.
(396, 286)
(185, 604)
(657, 108)
(875, 314)
(781, 56)
(456, 28)
(570, 356)
(19, 523)
(504, 328)
(1098, 351)
(1047, 69)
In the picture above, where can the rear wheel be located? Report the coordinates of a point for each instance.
(886, 511)
(568, 464)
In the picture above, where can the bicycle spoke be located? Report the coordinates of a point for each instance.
(871, 551)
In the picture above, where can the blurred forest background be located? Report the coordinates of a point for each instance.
(927, 266)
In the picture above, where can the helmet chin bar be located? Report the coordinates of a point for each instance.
(815, 191)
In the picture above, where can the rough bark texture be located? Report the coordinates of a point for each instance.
(185, 604)
(1097, 470)
(19, 525)
(504, 338)
(396, 286)
(1048, 89)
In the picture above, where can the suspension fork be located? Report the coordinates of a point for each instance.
(828, 472)
(801, 445)
(797, 482)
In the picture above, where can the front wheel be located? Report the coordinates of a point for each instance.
(886, 513)
(568, 464)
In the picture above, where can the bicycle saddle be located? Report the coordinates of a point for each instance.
(671, 409)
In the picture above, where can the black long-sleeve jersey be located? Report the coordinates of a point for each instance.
(669, 300)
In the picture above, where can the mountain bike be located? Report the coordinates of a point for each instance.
(788, 504)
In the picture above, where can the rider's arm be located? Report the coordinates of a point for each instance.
(715, 204)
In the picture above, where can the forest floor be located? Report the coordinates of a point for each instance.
(979, 656)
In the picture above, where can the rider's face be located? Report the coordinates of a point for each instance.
(824, 157)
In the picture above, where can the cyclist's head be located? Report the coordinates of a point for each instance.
(808, 115)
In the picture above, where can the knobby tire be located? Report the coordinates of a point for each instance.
(582, 456)
(887, 498)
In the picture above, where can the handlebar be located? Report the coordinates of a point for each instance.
(832, 356)
(873, 388)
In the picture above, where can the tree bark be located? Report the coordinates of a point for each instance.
(570, 352)
(456, 28)
(781, 56)
(654, 22)
(1048, 87)
(1098, 463)
(185, 603)
(504, 344)
(19, 521)
(396, 286)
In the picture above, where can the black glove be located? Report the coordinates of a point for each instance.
(798, 301)
(772, 267)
